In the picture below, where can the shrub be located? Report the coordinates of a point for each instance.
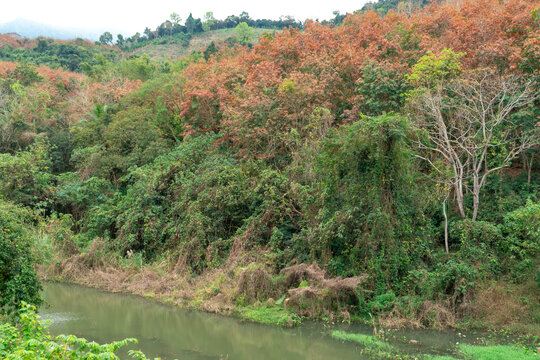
(18, 281)
(29, 339)
(25, 177)
(521, 241)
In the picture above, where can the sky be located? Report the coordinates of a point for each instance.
(130, 16)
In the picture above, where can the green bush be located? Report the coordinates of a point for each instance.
(18, 280)
(475, 243)
(521, 241)
(25, 177)
(29, 339)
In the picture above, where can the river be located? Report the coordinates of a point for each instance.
(172, 333)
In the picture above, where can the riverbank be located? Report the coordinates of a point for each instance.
(169, 332)
(241, 288)
(244, 287)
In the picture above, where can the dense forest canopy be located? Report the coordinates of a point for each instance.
(397, 148)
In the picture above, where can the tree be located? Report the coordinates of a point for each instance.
(138, 68)
(175, 18)
(120, 40)
(169, 26)
(209, 21)
(468, 125)
(25, 176)
(18, 280)
(244, 17)
(338, 17)
(245, 33)
(193, 25)
(106, 38)
(149, 33)
(231, 21)
(380, 90)
(26, 74)
(210, 50)
(136, 38)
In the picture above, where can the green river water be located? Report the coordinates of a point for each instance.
(173, 333)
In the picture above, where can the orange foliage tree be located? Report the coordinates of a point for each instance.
(256, 97)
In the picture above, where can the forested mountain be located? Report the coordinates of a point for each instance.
(385, 168)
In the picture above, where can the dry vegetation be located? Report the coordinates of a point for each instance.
(242, 281)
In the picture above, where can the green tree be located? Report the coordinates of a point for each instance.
(25, 176)
(193, 25)
(210, 50)
(26, 74)
(244, 17)
(138, 68)
(432, 70)
(208, 21)
(18, 280)
(245, 33)
(149, 33)
(175, 18)
(106, 38)
(370, 199)
(120, 40)
(380, 90)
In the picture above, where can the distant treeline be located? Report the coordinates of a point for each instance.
(173, 30)
(68, 55)
(383, 6)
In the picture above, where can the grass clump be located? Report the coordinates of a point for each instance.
(498, 352)
(366, 340)
(274, 315)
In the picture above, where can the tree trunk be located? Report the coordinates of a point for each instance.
(529, 169)
(476, 197)
(445, 226)
(459, 199)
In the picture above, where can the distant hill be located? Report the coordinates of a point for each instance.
(198, 42)
(33, 29)
(383, 6)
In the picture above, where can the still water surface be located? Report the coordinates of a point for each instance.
(172, 333)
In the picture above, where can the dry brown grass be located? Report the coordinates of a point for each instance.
(322, 296)
(256, 284)
(430, 314)
(215, 290)
(499, 304)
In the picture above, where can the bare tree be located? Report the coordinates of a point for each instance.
(528, 158)
(467, 127)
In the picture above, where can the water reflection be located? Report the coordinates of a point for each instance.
(174, 333)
